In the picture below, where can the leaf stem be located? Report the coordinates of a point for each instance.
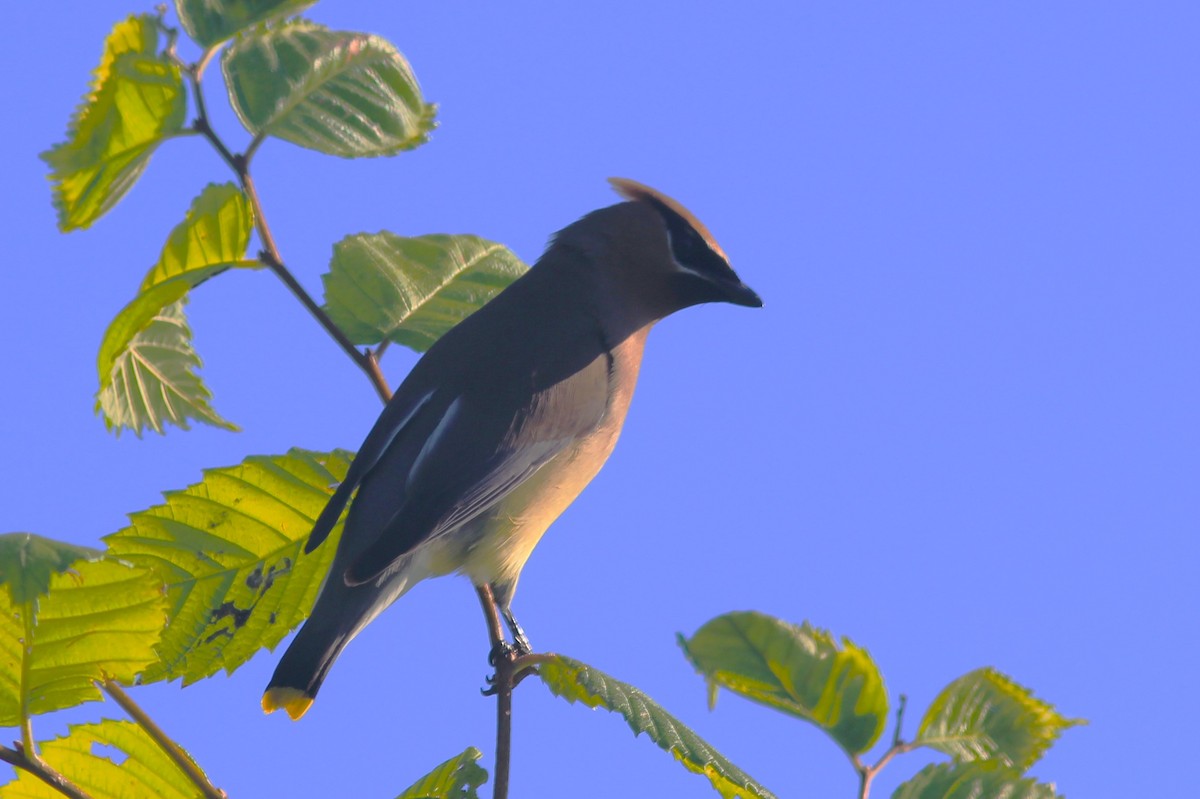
(23, 758)
(240, 164)
(173, 750)
(27, 742)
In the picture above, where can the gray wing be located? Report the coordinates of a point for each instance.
(402, 415)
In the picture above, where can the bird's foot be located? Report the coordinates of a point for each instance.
(503, 651)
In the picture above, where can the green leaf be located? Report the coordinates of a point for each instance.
(230, 550)
(341, 93)
(983, 780)
(144, 770)
(412, 290)
(153, 382)
(457, 778)
(137, 102)
(799, 670)
(97, 619)
(211, 21)
(984, 715)
(214, 233)
(28, 561)
(146, 380)
(577, 682)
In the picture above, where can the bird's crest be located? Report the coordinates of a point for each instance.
(640, 192)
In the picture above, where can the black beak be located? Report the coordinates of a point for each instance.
(741, 294)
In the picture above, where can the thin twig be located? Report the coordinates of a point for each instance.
(240, 164)
(173, 750)
(21, 758)
(202, 64)
(867, 773)
(503, 657)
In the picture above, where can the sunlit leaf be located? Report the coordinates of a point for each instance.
(347, 94)
(28, 561)
(577, 682)
(215, 232)
(212, 21)
(153, 381)
(412, 290)
(982, 780)
(457, 778)
(143, 770)
(99, 618)
(230, 550)
(137, 101)
(146, 380)
(984, 715)
(800, 670)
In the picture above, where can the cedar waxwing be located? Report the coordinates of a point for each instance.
(503, 422)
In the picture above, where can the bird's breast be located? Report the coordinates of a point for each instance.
(507, 536)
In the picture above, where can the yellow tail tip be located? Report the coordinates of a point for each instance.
(293, 700)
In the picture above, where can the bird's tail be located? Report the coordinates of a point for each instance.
(341, 611)
(303, 667)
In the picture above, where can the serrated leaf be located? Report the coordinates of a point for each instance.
(412, 290)
(982, 780)
(98, 619)
(144, 770)
(578, 682)
(153, 382)
(341, 93)
(211, 21)
(230, 550)
(28, 561)
(984, 715)
(457, 778)
(800, 670)
(137, 101)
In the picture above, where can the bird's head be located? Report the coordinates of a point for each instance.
(669, 255)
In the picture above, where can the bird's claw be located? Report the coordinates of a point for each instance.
(503, 651)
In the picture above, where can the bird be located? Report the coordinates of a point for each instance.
(503, 422)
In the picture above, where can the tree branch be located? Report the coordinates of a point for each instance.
(22, 758)
(173, 750)
(240, 164)
(504, 658)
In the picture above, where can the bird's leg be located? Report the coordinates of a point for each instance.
(520, 640)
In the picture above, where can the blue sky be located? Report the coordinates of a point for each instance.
(963, 430)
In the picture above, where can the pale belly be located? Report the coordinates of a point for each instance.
(495, 548)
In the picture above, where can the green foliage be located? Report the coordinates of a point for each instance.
(216, 573)
(230, 550)
(797, 669)
(214, 234)
(92, 618)
(145, 770)
(384, 287)
(146, 357)
(577, 682)
(28, 561)
(347, 94)
(210, 22)
(982, 780)
(457, 778)
(153, 379)
(137, 101)
(986, 716)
